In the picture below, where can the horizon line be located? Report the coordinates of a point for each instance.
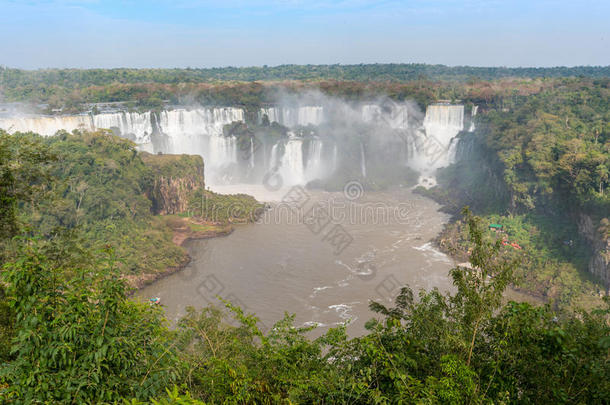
(307, 65)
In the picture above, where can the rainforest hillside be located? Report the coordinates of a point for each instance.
(99, 189)
(540, 166)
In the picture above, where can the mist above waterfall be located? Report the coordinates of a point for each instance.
(303, 138)
(328, 138)
(378, 141)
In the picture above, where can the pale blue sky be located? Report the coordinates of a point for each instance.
(202, 33)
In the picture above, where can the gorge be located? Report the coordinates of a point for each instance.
(297, 144)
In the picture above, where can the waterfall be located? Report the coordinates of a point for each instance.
(221, 152)
(435, 146)
(291, 167)
(135, 126)
(201, 131)
(310, 115)
(273, 163)
(443, 123)
(313, 164)
(391, 135)
(251, 153)
(475, 108)
(444, 120)
(209, 121)
(129, 125)
(335, 155)
(293, 116)
(362, 161)
(371, 113)
(399, 116)
(46, 125)
(271, 113)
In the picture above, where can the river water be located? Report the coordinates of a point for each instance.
(322, 256)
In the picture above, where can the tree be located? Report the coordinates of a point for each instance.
(602, 172)
(24, 163)
(77, 338)
(482, 284)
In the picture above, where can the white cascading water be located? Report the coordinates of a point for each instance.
(173, 123)
(291, 166)
(46, 125)
(435, 146)
(310, 115)
(297, 169)
(362, 160)
(313, 164)
(197, 130)
(221, 151)
(273, 163)
(180, 124)
(335, 157)
(134, 125)
(475, 108)
(201, 131)
(251, 153)
(294, 116)
(209, 121)
(371, 112)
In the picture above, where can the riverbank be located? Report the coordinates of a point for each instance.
(550, 271)
(218, 214)
(184, 229)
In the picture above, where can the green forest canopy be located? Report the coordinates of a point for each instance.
(362, 72)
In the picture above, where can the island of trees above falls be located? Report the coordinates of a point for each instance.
(97, 199)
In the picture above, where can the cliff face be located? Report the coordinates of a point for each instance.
(175, 177)
(599, 237)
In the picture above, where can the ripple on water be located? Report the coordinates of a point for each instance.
(316, 290)
(433, 253)
(344, 310)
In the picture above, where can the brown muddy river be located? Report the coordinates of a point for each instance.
(323, 263)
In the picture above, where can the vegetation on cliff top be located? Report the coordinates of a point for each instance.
(98, 187)
(174, 165)
(70, 89)
(536, 164)
(364, 72)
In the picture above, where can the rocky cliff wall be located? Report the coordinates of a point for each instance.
(175, 178)
(599, 237)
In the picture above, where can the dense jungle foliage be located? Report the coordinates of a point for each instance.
(539, 165)
(100, 189)
(70, 90)
(363, 72)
